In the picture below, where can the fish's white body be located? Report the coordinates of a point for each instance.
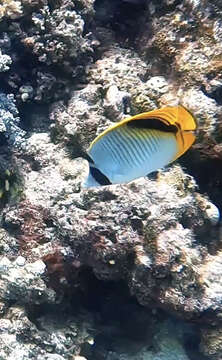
(127, 153)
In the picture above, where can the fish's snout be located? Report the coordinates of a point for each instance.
(90, 182)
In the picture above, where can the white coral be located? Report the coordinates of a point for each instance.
(5, 61)
(10, 8)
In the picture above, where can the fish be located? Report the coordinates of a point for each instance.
(139, 145)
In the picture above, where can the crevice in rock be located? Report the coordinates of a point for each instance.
(191, 344)
(215, 94)
(10, 177)
(127, 17)
(34, 116)
(122, 17)
(120, 323)
(205, 168)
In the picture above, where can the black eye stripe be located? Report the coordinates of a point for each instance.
(152, 124)
(99, 176)
(88, 158)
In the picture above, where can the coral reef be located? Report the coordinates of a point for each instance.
(64, 39)
(122, 272)
(49, 41)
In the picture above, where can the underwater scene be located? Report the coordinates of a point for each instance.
(110, 179)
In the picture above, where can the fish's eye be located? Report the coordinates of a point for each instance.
(99, 176)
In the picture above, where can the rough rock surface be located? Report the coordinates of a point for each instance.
(50, 339)
(50, 40)
(103, 273)
(9, 123)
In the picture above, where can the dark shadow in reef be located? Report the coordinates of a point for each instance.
(120, 323)
(122, 15)
(191, 345)
(215, 94)
(34, 117)
(131, 23)
(127, 18)
(10, 178)
(205, 165)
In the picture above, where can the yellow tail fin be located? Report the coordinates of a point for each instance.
(184, 140)
(185, 119)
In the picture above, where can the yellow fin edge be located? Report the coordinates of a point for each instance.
(175, 115)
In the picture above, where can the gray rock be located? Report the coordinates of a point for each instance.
(24, 283)
(55, 340)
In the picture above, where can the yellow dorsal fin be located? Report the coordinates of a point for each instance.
(175, 115)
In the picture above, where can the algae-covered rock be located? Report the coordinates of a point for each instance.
(77, 123)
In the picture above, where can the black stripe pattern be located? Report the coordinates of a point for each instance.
(99, 176)
(150, 123)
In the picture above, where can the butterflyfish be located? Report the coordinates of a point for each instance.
(139, 145)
